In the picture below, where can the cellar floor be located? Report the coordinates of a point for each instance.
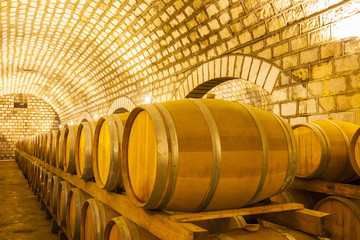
(20, 214)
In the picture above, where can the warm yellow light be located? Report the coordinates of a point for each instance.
(96, 117)
(148, 100)
(347, 28)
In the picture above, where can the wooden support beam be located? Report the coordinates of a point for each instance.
(191, 217)
(305, 220)
(331, 188)
(156, 222)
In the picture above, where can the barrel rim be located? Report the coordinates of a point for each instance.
(54, 193)
(63, 190)
(174, 153)
(47, 185)
(112, 181)
(293, 153)
(353, 161)
(162, 157)
(87, 172)
(325, 150)
(347, 201)
(96, 217)
(80, 198)
(59, 148)
(53, 148)
(69, 159)
(122, 224)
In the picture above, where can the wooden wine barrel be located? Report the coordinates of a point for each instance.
(83, 150)
(94, 216)
(121, 228)
(39, 178)
(44, 147)
(60, 147)
(50, 153)
(107, 150)
(76, 199)
(62, 197)
(48, 145)
(263, 233)
(355, 152)
(54, 186)
(42, 182)
(194, 155)
(345, 216)
(324, 149)
(69, 149)
(34, 176)
(47, 188)
(39, 146)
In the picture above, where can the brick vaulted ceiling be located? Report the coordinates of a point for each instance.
(79, 53)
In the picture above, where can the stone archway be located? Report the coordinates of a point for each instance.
(121, 103)
(220, 70)
(85, 117)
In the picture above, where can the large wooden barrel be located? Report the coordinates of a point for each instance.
(262, 233)
(94, 216)
(76, 199)
(345, 216)
(54, 186)
(69, 149)
(47, 188)
(324, 148)
(83, 150)
(107, 150)
(208, 154)
(121, 228)
(60, 147)
(62, 197)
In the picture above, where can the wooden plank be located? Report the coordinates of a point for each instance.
(305, 220)
(190, 217)
(331, 188)
(156, 222)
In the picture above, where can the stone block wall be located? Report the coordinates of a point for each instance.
(19, 123)
(164, 49)
(318, 73)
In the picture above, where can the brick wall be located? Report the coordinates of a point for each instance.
(19, 123)
(286, 50)
(164, 49)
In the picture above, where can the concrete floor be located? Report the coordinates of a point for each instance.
(20, 214)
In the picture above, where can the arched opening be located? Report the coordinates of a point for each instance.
(120, 110)
(121, 105)
(241, 91)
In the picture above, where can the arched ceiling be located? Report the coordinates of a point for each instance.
(81, 53)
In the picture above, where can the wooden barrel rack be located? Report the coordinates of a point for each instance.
(176, 225)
